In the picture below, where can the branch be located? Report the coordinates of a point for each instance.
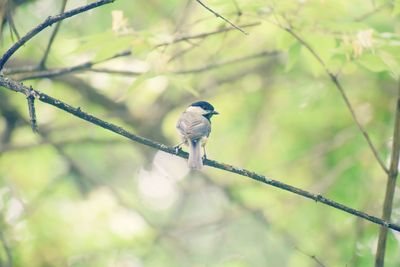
(313, 257)
(42, 63)
(17, 87)
(194, 70)
(373, 11)
(390, 185)
(61, 71)
(87, 66)
(223, 18)
(339, 86)
(38, 72)
(48, 22)
(228, 62)
(32, 111)
(206, 34)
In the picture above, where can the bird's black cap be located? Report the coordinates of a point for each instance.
(204, 105)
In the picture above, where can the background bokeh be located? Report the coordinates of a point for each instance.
(77, 195)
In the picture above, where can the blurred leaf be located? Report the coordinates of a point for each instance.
(372, 62)
(139, 80)
(284, 41)
(293, 56)
(112, 47)
(391, 62)
(396, 8)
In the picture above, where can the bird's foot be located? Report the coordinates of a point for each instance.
(177, 148)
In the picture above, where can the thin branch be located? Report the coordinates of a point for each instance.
(20, 69)
(80, 67)
(32, 111)
(118, 72)
(390, 185)
(55, 72)
(38, 72)
(373, 11)
(17, 87)
(11, 23)
(42, 63)
(313, 257)
(223, 18)
(206, 34)
(48, 22)
(81, 141)
(87, 66)
(228, 62)
(194, 70)
(239, 11)
(339, 86)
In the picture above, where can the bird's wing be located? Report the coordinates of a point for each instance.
(193, 126)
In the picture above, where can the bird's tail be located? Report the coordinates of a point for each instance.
(195, 161)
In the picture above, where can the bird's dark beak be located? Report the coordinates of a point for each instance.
(214, 112)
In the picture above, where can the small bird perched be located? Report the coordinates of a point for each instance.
(194, 126)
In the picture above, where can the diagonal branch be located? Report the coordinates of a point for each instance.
(339, 86)
(223, 18)
(17, 87)
(48, 22)
(390, 185)
(42, 63)
(87, 66)
(202, 69)
(38, 72)
(80, 67)
(205, 34)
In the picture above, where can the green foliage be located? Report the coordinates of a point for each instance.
(77, 195)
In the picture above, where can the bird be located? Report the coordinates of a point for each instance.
(194, 127)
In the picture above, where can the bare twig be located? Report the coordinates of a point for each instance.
(390, 185)
(373, 11)
(20, 69)
(313, 257)
(48, 22)
(32, 112)
(83, 141)
(118, 72)
(223, 18)
(239, 11)
(42, 63)
(17, 87)
(87, 66)
(206, 34)
(228, 62)
(11, 23)
(339, 86)
(37, 74)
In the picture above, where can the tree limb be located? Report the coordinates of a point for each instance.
(42, 63)
(390, 186)
(38, 72)
(48, 22)
(205, 34)
(339, 86)
(87, 66)
(17, 87)
(223, 18)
